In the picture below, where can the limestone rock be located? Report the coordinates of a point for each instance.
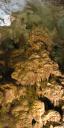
(38, 109)
(39, 37)
(35, 69)
(51, 116)
(25, 121)
(21, 108)
(53, 93)
(59, 126)
(10, 93)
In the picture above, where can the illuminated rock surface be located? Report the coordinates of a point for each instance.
(32, 68)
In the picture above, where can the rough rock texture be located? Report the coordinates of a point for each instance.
(33, 69)
(52, 116)
(45, 82)
(32, 95)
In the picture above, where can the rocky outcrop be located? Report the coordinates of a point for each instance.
(40, 84)
(36, 68)
(52, 116)
(32, 94)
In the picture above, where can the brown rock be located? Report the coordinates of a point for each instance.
(53, 92)
(39, 37)
(10, 93)
(51, 116)
(35, 69)
(38, 109)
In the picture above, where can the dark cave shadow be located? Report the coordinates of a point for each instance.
(6, 77)
(49, 105)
